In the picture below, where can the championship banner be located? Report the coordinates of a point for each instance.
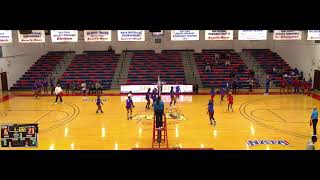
(286, 35)
(37, 36)
(313, 35)
(144, 88)
(64, 35)
(218, 34)
(252, 35)
(184, 35)
(131, 35)
(5, 36)
(97, 35)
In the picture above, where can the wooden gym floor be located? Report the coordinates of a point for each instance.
(74, 125)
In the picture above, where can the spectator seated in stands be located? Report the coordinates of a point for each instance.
(252, 74)
(240, 68)
(208, 69)
(296, 71)
(110, 48)
(301, 75)
(227, 63)
(274, 70)
(232, 74)
(216, 56)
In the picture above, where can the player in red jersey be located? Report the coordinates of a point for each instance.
(230, 101)
(283, 85)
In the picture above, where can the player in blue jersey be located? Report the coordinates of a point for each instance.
(178, 91)
(148, 94)
(211, 113)
(129, 105)
(99, 103)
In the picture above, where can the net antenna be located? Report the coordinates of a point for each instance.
(159, 86)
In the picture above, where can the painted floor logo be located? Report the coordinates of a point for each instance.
(174, 116)
(265, 142)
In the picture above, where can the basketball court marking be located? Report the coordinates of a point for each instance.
(243, 110)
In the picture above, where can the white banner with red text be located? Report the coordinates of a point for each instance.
(184, 35)
(64, 35)
(218, 34)
(97, 35)
(36, 36)
(286, 35)
(5, 36)
(131, 35)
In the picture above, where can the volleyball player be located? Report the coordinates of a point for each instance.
(212, 93)
(45, 85)
(148, 98)
(129, 105)
(283, 84)
(36, 89)
(172, 96)
(230, 101)
(84, 90)
(177, 91)
(99, 103)
(289, 85)
(221, 95)
(211, 113)
(130, 94)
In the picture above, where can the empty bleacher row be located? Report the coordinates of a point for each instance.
(39, 70)
(92, 66)
(220, 74)
(269, 60)
(147, 65)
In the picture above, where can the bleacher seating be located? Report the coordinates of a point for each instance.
(220, 74)
(92, 66)
(268, 60)
(39, 70)
(147, 65)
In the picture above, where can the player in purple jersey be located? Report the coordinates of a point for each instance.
(99, 103)
(45, 85)
(36, 89)
(129, 105)
(148, 98)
